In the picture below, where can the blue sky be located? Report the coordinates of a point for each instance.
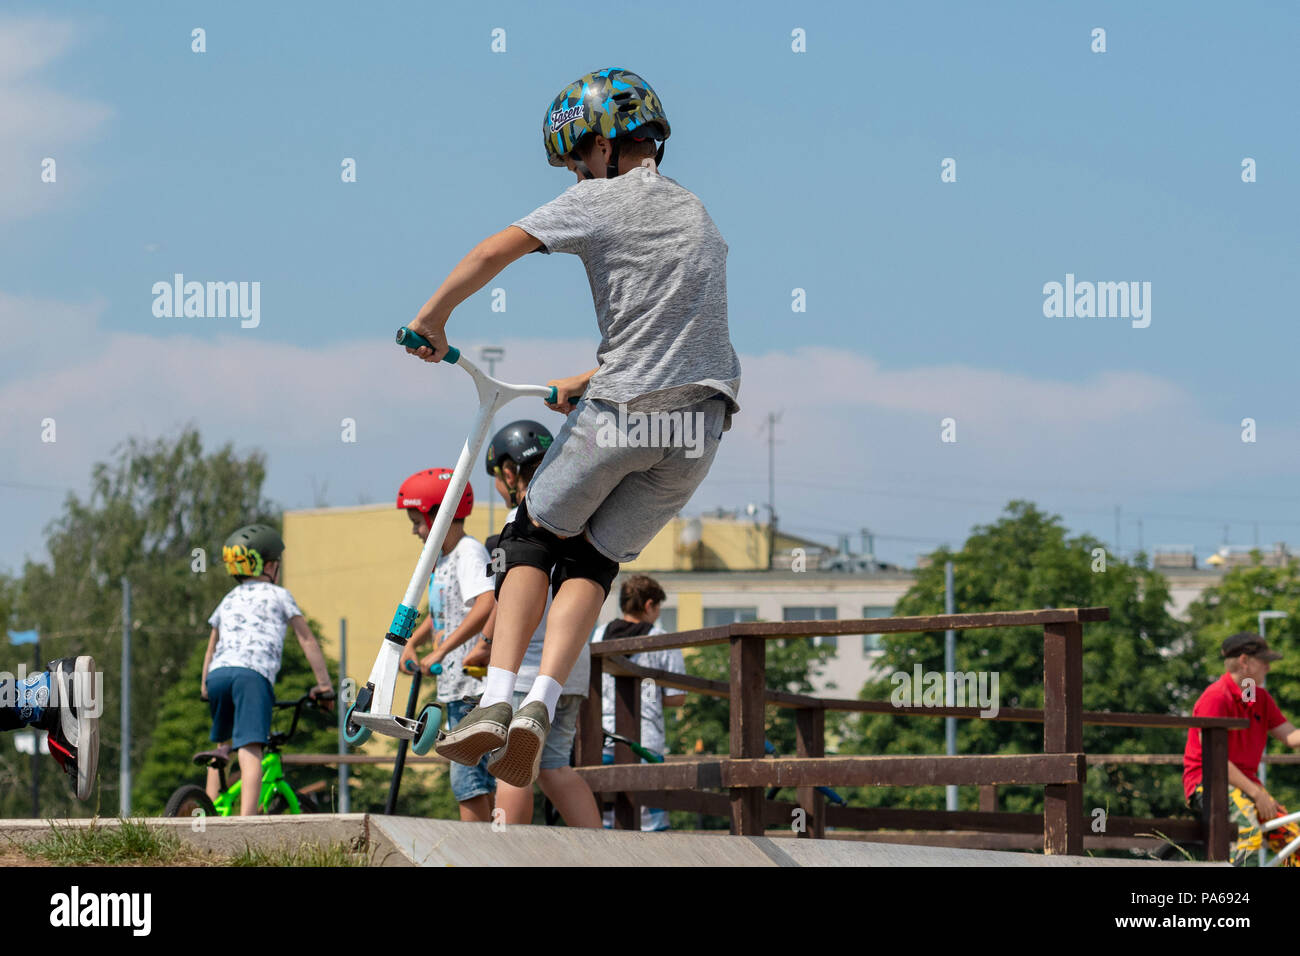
(821, 169)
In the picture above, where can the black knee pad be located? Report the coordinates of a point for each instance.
(581, 560)
(523, 543)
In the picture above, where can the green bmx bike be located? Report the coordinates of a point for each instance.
(277, 795)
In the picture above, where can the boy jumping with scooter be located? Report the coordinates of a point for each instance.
(657, 267)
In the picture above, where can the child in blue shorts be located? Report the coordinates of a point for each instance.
(244, 650)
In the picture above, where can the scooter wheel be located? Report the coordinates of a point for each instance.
(430, 724)
(354, 735)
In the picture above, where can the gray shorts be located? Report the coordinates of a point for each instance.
(621, 476)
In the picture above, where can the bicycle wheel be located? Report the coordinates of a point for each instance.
(188, 798)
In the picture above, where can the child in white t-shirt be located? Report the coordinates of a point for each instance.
(244, 650)
(460, 601)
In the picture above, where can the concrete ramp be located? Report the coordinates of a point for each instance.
(409, 841)
(412, 841)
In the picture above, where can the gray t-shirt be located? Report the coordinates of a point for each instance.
(658, 272)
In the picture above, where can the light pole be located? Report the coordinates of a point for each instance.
(491, 354)
(950, 665)
(1263, 770)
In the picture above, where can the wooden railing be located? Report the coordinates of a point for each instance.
(746, 773)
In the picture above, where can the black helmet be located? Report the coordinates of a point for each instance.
(522, 442)
(248, 550)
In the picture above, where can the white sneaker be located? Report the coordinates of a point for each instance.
(73, 730)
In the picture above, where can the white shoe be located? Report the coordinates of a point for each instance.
(74, 730)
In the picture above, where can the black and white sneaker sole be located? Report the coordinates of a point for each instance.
(519, 762)
(81, 729)
(467, 747)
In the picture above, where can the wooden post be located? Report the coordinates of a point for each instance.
(591, 736)
(748, 682)
(627, 722)
(989, 798)
(1214, 793)
(1063, 733)
(810, 736)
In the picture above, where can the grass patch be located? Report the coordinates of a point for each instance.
(309, 854)
(130, 842)
(135, 843)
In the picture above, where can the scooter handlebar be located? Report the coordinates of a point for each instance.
(434, 669)
(413, 340)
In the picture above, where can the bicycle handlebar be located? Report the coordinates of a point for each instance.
(306, 698)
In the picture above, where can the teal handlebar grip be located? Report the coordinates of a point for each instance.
(413, 340)
(434, 669)
(556, 394)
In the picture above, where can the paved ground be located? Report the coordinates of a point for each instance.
(410, 841)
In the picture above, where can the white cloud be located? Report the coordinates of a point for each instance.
(37, 121)
(848, 422)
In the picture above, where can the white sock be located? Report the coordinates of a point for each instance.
(498, 687)
(547, 690)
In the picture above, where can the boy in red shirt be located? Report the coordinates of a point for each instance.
(1240, 693)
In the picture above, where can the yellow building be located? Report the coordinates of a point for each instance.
(354, 564)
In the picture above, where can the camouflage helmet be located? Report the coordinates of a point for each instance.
(610, 102)
(248, 550)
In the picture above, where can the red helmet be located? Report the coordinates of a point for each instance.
(424, 492)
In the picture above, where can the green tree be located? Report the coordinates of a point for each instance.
(1138, 661)
(1233, 605)
(150, 507)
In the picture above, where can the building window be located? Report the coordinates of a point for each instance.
(871, 642)
(668, 619)
(722, 616)
(829, 613)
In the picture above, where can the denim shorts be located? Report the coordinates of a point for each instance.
(622, 481)
(467, 782)
(559, 742)
(240, 700)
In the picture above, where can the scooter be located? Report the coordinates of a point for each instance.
(372, 710)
